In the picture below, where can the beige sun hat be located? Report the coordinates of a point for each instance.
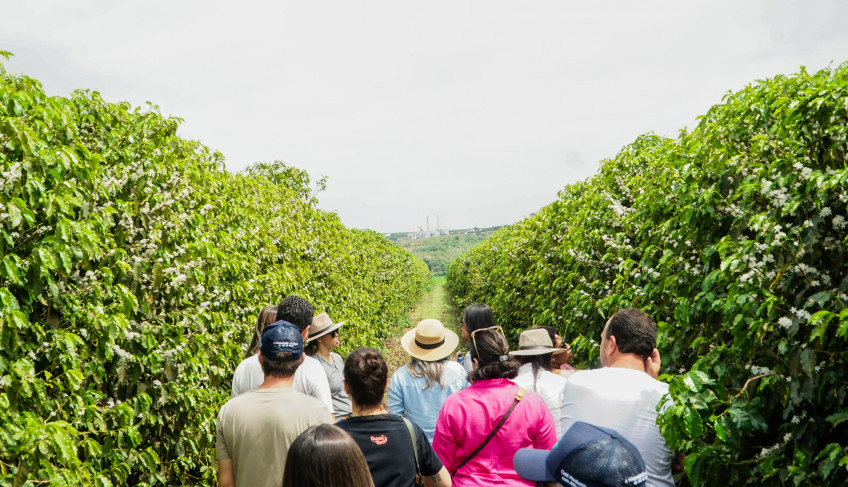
(429, 341)
(321, 325)
(534, 342)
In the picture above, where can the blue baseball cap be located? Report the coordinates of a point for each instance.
(281, 336)
(585, 456)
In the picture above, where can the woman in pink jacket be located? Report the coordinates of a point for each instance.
(474, 417)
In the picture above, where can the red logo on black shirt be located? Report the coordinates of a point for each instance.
(379, 440)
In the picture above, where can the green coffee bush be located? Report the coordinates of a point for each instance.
(733, 236)
(132, 266)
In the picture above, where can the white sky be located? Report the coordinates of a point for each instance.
(477, 111)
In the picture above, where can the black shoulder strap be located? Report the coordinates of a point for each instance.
(518, 396)
(414, 443)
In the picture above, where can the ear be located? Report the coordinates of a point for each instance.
(346, 387)
(305, 333)
(474, 364)
(302, 358)
(259, 354)
(613, 346)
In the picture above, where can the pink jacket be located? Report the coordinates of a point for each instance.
(468, 416)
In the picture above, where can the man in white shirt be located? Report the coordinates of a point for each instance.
(624, 394)
(309, 378)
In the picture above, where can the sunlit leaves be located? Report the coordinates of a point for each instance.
(733, 236)
(132, 267)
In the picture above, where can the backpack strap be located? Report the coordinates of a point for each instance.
(411, 430)
(518, 396)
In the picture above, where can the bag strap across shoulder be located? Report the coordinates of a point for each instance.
(414, 444)
(518, 396)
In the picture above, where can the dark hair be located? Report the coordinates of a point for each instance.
(634, 331)
(366, 374)
(267, 316)
(489, 347)
(325, 455)
(311, 348)
(283, 365)
(552, 332)
(477, 316)
(296, 311)
(540, 362)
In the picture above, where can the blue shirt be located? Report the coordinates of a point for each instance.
(407, 396)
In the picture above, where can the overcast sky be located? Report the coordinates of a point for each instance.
(475, 111)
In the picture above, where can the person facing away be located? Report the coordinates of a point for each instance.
(474, 317)
(310, 378)
(624, 394)
(323, 338)
(418, 389)
(492, 413)
(534, 354)
(255, 429)
(585, 456)
(386, 439)
(326, 456)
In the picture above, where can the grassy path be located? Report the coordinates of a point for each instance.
(434, 304)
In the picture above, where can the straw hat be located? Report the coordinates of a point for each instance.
(429, 341)
(534, 342)
(321, 325)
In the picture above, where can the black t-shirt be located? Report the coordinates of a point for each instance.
(384, 440)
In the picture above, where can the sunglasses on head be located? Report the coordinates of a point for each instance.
(494, 329)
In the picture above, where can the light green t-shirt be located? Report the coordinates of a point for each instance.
(256, 428)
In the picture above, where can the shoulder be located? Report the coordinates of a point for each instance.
(310, 365)
(243, 400)
(554, 379)
(247, 363)
(455, 367)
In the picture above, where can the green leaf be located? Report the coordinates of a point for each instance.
(47, 259)
(128, 299)
(9, 268)
(837, 418)
(14, 214)
(721, 430)
(17, 319)
(64, 447)
(694, 425)
(7, 299)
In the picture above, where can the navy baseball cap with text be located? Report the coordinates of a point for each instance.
(281, 336)
(585, 456)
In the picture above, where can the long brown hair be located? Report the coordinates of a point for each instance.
(267, 316)
(325, 455)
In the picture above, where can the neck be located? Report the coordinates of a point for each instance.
(272, 382)
(323, 351)
(368, 410)
(627, 361)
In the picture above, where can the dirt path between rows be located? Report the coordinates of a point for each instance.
(434, 304)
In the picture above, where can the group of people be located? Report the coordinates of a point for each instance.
(304, 416)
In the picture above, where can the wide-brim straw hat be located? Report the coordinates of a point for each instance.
(534, 342)
(429, 341)
(321, 325)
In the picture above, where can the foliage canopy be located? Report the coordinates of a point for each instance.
(132, 266)
(733, 237)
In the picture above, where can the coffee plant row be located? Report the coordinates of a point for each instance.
(733, 236)
(132, 267)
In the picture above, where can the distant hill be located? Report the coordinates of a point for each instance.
(437, 252)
